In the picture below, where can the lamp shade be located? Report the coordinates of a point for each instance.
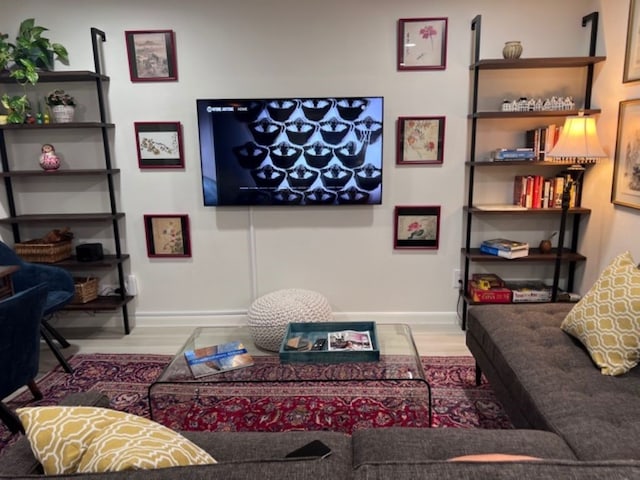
(578, 141)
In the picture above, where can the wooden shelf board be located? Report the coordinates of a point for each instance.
(63, 172)
(62, 217)
(108, 261)
(529, 211)
(533, 114)
(546, 62)
(103, 303)
(475, 255)
(60, 76)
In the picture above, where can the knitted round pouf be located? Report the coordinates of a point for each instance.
(270, 314)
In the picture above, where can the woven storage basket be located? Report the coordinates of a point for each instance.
(86, 289)
(38, 251)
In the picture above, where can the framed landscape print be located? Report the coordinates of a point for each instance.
(626, 167)
(420, 140)
(417, 227)
(159, 144)
(422, 43)
(632, 52)
(167, 235)
(152, 55)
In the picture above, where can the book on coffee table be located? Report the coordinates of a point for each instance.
(217, 359)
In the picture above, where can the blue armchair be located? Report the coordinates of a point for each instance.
(20, 317)
(60, 291)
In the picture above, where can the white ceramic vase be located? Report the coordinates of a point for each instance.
(63, 113)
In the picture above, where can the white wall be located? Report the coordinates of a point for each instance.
(256, 48)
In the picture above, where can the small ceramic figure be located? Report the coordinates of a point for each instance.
(48, 159)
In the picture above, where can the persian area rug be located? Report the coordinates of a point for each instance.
(456, 401)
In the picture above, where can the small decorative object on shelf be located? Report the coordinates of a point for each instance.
(62, 105)
(49, 161)
(545, 245)
(523, 104)
(512, 50)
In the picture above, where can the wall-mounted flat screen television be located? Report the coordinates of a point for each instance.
(291, 151)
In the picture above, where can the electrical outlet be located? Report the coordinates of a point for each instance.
(131, 285)
(456, 280)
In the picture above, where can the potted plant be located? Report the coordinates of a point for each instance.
(30, 52)
(17, 106)
(62, 105)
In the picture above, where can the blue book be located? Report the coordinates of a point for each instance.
(503, 253)
(505, 244)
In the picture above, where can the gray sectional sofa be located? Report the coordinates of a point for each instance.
(580, 423)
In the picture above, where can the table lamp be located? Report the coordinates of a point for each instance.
(579, 144)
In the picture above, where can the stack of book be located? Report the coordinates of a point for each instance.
(488, 288)
(511, 154)
(505, 248)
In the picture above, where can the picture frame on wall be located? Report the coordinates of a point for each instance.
(625, 190)
(416, 227)
(152, 55)
(422, 43)
(420, 140)
(632, 52)
(159, 144)
(167, 235)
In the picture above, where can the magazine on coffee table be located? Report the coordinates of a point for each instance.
(349, 340)
(217, 359)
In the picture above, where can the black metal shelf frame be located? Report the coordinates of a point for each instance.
(98, 37)
(468, 253)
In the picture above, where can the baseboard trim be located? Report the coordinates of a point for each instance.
(237, 317)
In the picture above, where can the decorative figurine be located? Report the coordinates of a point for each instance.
(49, 161)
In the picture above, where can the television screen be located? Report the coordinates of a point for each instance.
(291, 151)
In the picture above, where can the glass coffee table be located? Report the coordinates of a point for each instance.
(272, 395)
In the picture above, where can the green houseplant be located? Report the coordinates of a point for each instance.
(30, 52)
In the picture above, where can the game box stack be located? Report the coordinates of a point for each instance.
(488, 288)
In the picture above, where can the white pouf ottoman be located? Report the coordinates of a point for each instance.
(270, 314)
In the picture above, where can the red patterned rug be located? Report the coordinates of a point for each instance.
(457, 401)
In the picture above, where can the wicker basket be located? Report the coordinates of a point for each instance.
(37, 251)
(86, 290)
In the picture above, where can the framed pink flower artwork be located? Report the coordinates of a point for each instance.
(422, 43)
(417, 227)
(420, 140)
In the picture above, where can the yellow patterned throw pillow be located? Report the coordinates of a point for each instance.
(91, 439)
(607, 319)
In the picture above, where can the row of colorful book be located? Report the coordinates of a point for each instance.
(537, 191)
(538, 142)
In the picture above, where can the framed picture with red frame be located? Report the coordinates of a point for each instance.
(417, 227)
(422, 43)
(167, 235)
(152, 55)
(159, 144)
(420, 140)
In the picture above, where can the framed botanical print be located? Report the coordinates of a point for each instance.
(626, 167)
(152, 55)
(632, 52)
(167, 235)
(422, 43)
(159, 144)
(420, 140)
(417, 227)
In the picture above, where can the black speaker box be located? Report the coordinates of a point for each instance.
(89, 252)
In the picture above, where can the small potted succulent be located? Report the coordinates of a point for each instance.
(62, 105)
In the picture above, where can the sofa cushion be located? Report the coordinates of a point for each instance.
(68, 439)
(607, 319)
(410, 444)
